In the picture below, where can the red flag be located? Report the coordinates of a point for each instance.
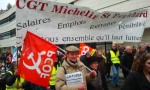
(37, 59)
(84, 48)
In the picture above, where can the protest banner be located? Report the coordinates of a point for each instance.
(65, 23)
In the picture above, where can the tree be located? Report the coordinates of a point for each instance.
(9, 6)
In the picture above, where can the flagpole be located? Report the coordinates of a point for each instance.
(61, 49)
(83, 64)
(17, 55)
(17, 63)
(87, 68)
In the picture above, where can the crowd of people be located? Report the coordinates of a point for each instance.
(95, 69)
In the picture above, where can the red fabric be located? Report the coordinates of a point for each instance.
(36, 54)
(84, 48)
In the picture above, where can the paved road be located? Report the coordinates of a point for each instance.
(121, 82)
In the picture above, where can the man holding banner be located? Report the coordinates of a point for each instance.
(73, 75)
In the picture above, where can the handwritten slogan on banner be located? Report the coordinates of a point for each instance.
(64, 23)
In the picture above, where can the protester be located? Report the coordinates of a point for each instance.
(140, 79)
(8, 58)
(2, 76)
(134, 51)
(108, 66)
(52, 82)
(72, 65)
(126, 61)
(121, 49)
(102, 68)
(135, 64)
(141, 51)
(137, 57)
(96, 84)
(13, 80)
(83, 58)
(113, 57)
(147, 47)
(26, 85)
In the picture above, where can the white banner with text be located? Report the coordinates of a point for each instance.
(62, 23)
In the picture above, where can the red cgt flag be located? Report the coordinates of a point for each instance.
(37, 59)
(84, 48)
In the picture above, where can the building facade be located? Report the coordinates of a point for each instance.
(8, 22)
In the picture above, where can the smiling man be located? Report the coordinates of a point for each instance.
(73, 65)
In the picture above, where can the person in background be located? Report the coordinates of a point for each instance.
(135, 64)
(108, 66)
(126, 61)
(121, 49)
(12, 79)
(54, 72)
(71, 65)
(139, 79)
(147, 47)
(2, 76)
(96, 84)
(134, 51)
(102, 68)
(8, 58)
(26, 85)
(113, 57)
(141, 51)
(84, 58)
(137, 57)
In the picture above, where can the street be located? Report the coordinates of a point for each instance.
(121, 82)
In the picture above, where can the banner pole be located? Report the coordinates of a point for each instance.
(87, 68)
(62, 49)
(17, 63)
(17, 54)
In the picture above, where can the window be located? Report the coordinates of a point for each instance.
(8, 34)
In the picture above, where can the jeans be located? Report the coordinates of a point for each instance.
(115, 77)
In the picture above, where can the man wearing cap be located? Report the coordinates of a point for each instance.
(71, 65)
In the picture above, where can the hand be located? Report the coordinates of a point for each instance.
(127, 70)
(16, 72)
(48, 88)
(93, 74)
(19, 86)
(82, 87)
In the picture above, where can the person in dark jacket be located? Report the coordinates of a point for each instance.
(140, 79)
(126, 61)
(96, 84)
(12, 79)
(102, 68)
(147, 47)
(31, 86)
(84, 58)
(2, 76)
(141, 51)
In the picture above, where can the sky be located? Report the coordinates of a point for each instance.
(3, 3)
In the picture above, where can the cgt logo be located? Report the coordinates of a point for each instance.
(46, 68)
(85, 49)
